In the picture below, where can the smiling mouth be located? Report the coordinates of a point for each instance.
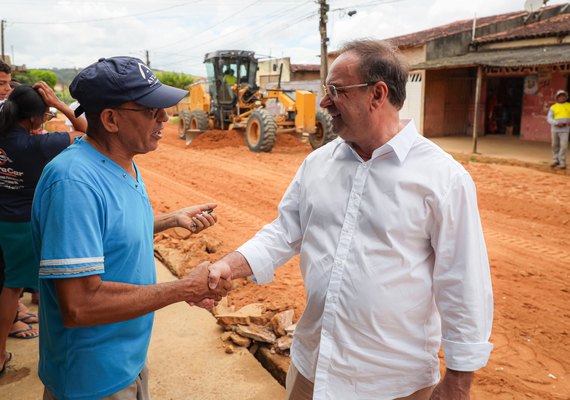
(157, 134)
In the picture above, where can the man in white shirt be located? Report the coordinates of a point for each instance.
(392, 250)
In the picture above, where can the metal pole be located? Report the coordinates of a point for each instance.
(477, 100)
(147, 59)
(324, 7)
(2, 38)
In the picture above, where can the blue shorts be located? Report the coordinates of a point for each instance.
(20, 265)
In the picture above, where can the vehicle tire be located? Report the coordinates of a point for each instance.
(323, 132)
(183, 123)
(198, 119)
(261, 131)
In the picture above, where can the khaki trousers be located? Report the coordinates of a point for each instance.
(138, 390)
(298, 387)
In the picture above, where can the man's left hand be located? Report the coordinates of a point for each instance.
(196, 218)
(455, 385)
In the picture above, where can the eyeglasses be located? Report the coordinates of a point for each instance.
(48, 116)
(152, 112)
(332, 90)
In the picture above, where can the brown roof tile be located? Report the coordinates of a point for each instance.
(418, 38)
(558, 25)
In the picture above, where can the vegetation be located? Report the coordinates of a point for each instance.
(175, 79)
(64, 76)
(32, 76)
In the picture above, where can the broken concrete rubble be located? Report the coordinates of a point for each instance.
(281, 321)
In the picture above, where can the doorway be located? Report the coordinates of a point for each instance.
(504, 106)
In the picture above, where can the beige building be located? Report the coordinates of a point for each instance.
(269, 71)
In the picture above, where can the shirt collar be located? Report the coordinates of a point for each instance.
(400, 144)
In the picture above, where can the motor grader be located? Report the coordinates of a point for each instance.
(230, 99)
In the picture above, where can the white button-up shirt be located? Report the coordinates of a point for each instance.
(394, 263)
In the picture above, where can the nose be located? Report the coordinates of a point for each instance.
(162, 115)
(326, 101)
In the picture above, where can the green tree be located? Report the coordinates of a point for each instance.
(32, 76)
(175, 79)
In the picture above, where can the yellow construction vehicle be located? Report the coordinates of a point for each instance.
(230, 99)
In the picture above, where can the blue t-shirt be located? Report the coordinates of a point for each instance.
(90, 216)
(23, 156)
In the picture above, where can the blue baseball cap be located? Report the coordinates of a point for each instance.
(110, 82)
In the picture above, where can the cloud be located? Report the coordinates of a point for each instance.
(177, 35)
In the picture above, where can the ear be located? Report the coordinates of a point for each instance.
(109, 120)
(379, 94)
(36, 122)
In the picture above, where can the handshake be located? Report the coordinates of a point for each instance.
(207, 284)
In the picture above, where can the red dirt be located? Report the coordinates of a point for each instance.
(526, 218)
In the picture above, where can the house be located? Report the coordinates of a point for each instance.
(270, 71)
(505, 69)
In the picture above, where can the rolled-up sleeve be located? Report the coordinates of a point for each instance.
(461, 278)
(278, 241)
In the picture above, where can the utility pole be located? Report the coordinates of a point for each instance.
(478, 84)
(2, 24)
(147, 58)
(324, 8)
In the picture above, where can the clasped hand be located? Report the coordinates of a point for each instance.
(200, 292)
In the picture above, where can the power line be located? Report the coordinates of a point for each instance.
(213, 26)
(238, 29)
(98, 19)
(241, 29)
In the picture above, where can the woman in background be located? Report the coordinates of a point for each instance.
(23, 157)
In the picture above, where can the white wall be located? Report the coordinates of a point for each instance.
(412, 108)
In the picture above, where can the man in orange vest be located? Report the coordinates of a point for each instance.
(559, 120)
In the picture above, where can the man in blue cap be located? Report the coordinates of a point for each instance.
(93, 230)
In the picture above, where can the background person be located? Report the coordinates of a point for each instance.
(229, 77)
(97, 273)
(5, 80)
(23, 157)
(23, 313)
(559, 120)
(391, 249)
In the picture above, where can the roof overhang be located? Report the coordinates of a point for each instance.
(529, 56)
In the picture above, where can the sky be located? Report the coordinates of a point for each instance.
(176, 33)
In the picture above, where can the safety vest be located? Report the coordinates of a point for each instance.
(561, 110)
(230, 79)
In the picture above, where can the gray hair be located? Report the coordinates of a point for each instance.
(380, 61)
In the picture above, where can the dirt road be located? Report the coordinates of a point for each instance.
(526, 218)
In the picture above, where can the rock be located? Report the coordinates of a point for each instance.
(263, 319)
(257, 333)
(254, 347)
(284, 342)
(181, 233)
(291, 330)
(239, 340)
(229, 348)
(226, 336)
(242, 316)
(223, 307)
(181, 256)
(281, 321)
